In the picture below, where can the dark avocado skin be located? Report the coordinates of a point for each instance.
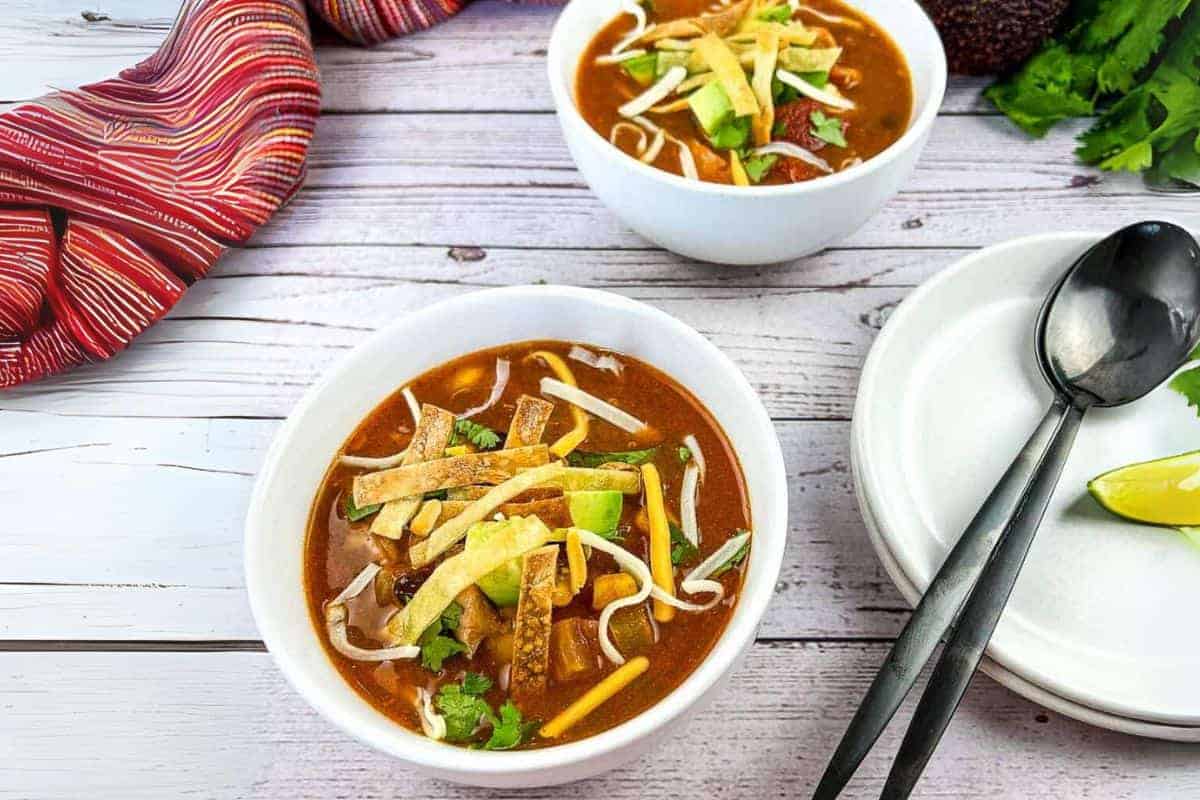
(986, 37)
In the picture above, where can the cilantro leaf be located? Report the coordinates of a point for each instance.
(777, 14)
(734, 560)
(757, 168)
(685, 454)
(1153, 117)
(581, 458)
(828, 129)
(451, 617)
(782, 93)
(1054, 85)
(461, 710)
(681, 549)
(1106, 48)
(1140, 25)
(476, 684)
(509, 729)
(356, 514)
(1180, 163)
(436, 648)
(1188, 384)
(481, 436)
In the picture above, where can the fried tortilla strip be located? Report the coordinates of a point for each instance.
(434, 429)
(582, 479)
(728, 68)
(766, 53)
(479, 619)
(444, 473)
(448, 534)
(722, 23)
(513, 539)
(531, 631)
(618, 478)
(476, 492)
(552, 510)
(528, 422)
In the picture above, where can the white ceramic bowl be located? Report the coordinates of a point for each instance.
(746, 225)
(304, 446)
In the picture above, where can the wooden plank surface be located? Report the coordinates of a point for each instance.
(225, 725)
(171, 494)
(449, 67)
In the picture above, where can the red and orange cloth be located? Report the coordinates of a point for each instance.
(114, 197)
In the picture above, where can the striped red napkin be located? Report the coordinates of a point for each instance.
(114, 197)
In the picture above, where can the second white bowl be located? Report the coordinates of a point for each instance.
(735, 224)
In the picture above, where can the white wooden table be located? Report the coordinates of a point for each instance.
(129, 664)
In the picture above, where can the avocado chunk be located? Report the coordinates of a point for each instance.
(711, 106)
(503, 584)
(598, 512)
(642, 68)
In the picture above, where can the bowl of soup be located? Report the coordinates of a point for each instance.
(518, 537)
(745, 132)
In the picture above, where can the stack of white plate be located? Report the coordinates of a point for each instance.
(1104, 624)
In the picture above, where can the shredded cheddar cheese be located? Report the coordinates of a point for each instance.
(576, 561)
(660, 541)
(574, 437)
(594, 697)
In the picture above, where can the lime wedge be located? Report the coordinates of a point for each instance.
(1162, 492)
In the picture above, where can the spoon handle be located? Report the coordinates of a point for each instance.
(982, 611)
(935, 612)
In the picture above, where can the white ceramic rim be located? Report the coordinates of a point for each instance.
(564, 102)
(1036, 687)
(1006, 678)
(766, 559)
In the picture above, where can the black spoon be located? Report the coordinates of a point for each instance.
(1120, 322)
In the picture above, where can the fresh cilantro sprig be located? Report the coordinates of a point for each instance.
(481, 436)
(758, 167)
(435, 646)
(1135, 60)
(476, 684)
(509, 729)
(582, 458)
(828, 129)
(682, 550)
(463, 707)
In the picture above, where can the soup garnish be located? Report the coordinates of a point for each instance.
(747, 92)
(493, 577)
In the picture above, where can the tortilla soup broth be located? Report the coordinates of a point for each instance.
(339, 548)
(870, 74)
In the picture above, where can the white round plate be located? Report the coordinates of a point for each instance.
(1103, 617)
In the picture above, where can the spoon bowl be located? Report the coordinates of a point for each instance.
(1124, 317)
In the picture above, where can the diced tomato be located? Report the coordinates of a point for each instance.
(793, 123)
